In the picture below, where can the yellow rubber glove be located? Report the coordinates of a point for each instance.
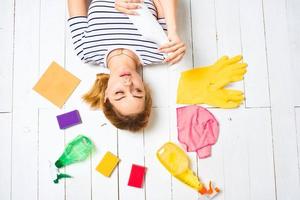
(205, 85)
(176, 162)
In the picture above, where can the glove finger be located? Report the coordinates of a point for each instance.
(221, 60)
(234, 95)
(224, 99)
(229, 77)
(237, 78)
(237, 98)
(231, 104)
(221, 83)
(236, 72)
(239, 72)
(232, 71)
(236, 66)
(234, 59)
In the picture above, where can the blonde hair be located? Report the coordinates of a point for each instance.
(95, 97)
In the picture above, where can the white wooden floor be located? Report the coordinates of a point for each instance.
(256, 157)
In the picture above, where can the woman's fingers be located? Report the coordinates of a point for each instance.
(175, 57)
(167, 45)
(173, 48)
(126, 11)
(127, 6)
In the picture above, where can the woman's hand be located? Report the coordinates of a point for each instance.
(175, 48)
(127, 6)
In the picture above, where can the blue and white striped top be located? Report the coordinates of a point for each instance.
(106, 29)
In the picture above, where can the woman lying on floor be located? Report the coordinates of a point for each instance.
(104, 35)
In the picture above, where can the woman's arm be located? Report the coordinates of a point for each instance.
(77, 8)
(175, 47)
(169, 9)
(78, 24)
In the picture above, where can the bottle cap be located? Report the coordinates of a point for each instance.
(59, 164)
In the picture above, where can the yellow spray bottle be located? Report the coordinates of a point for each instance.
(176, 162)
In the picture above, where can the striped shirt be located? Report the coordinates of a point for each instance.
(105, 29)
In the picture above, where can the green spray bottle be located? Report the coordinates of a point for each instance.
(77, 150)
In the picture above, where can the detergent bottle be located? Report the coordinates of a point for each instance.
(176, 162)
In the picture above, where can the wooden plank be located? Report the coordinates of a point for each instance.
(131, 151)
(204, 32)
(80, 186)
(297, 111)
(51, 49)
(293, 16)
(51, 145)
(228, 27)
(205, 53)
(261, 163)
(228, 31)
(52, 32)
(95, 186)
(25, 116)
(26, 59)
(5, 155)
(246, 137)
(25, 154)
(283, 120)
(156, 134)
(254, 53)
(6, 52)
(186, 20)
(105, 139)
(213, 168)
(52, 40)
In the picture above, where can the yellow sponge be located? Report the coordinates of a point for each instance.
(107, 164)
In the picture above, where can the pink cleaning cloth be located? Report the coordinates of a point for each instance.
(197, 129)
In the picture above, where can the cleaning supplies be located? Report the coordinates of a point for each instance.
(176, 162)
(77, 150)
(205, 85)
(197, 129)
(148, 26)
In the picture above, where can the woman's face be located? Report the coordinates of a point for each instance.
(126, 91)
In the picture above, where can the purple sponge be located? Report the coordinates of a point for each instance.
(69, 119)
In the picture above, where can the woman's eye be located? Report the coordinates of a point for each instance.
(119, 92)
